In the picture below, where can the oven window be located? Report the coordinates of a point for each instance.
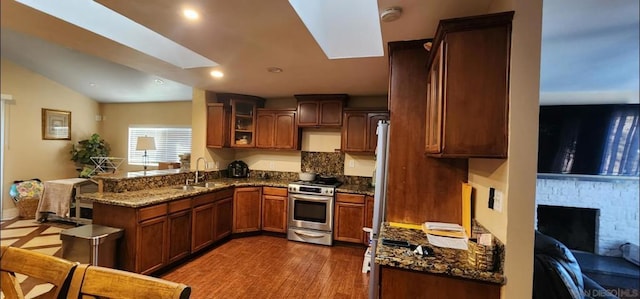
(310, 211)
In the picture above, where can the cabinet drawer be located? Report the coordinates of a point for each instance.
(179, 205)
(204, 199)
(274, 191)
(224, 194)
(352, 198)
(152, 212)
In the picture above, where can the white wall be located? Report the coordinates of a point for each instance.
(617, 201)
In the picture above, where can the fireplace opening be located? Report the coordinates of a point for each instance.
(576, 228)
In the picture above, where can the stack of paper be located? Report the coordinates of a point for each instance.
(448, 235)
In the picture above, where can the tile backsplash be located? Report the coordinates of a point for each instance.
(326, 163)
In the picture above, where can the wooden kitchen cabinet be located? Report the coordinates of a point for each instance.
(151, 253)
(468, 88)
(247, 209)
(223, 216)
(151, 241)
(212, 217)
(179, 230)
(218, 120)
(430, 187)
(203, 214)
(401, 283)
(277, 129)
(349, 218)
(243, 119)
(320, 110)
(359, 130)
(231, 119)
(274, 209)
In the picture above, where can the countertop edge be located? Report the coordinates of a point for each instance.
(143, 198)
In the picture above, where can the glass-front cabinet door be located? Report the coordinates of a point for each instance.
(243, 119)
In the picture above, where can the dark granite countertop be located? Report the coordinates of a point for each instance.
(141, 198)
(444, 261)
(358, 189)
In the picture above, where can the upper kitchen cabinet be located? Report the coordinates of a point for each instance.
(234, 122)
(468, 88)
(320, 110)
(277, 129)
(218, 120)
(359, 129)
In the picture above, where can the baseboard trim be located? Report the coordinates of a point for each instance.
(9, 214)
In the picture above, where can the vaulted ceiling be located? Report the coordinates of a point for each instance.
(248, 36)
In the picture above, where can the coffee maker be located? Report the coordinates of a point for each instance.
(238, 169)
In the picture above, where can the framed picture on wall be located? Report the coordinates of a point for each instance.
(56, 124)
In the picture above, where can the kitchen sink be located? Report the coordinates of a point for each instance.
(189, 187)
(208, 184)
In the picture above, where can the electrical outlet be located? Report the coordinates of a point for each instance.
(211, 165)
(352, 163)
(498, 201)
(272, 166)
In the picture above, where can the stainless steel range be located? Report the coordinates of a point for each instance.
(311, 211)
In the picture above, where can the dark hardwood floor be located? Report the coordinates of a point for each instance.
(273, 267)
(260, 266)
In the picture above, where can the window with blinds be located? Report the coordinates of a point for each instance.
(170, 142)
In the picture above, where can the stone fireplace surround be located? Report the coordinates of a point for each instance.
(617, 199)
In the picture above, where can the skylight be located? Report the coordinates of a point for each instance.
(342, 28)
(96, 18)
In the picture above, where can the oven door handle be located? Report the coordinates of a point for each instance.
(306, 234)
(310, 197)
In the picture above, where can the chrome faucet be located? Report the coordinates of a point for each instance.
(198, 176)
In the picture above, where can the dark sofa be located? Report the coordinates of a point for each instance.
(557, 274)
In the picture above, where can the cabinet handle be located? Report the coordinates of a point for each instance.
(308, 234)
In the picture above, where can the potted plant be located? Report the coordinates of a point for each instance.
(82, 152)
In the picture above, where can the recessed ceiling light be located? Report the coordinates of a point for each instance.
(217, 74)
(158, 81)
(190, 14)
(92, 84)
(274, 69)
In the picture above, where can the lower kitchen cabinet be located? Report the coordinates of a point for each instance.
(203, 229)
(247, 209)
(400, 283)
(349, 218)
(223, 216)
(179, 229)
(151, 252)
(158, 235)
(274, 209)
(212, 215)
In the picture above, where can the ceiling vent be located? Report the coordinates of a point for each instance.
(391, 14)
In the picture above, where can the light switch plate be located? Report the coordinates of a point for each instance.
(497, 203)
(352, 163)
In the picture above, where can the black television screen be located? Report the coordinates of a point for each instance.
(589, 139)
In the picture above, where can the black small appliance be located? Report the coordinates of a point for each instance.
(238, 169)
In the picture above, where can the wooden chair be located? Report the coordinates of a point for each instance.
(100, 282)
(45, 268)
